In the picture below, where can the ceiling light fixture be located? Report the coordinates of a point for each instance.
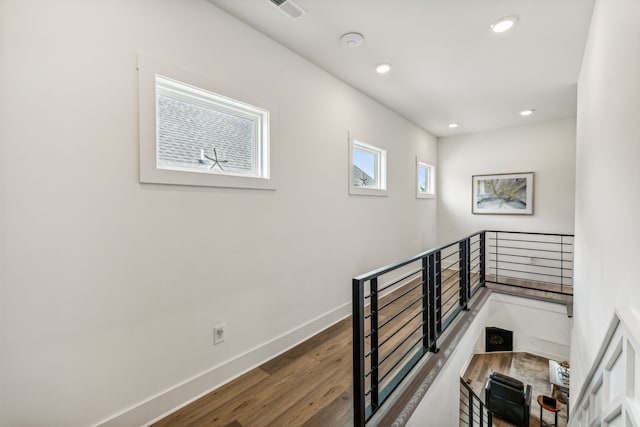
(453, 125)
(526, 113)
(504, 24)
(351, 40)
(383, 68)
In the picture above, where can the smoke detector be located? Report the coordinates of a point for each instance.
(289, 8)
(351, 40)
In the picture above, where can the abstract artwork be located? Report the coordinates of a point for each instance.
(503, 194)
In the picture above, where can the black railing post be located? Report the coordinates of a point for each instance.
(471, 408)
(497, 249)
(462, 273)
(431, 303)
(374, 344)
(359, 402)
(468, 270)
(483, 259)
(438, 292)
(561, 264)
(426, 285)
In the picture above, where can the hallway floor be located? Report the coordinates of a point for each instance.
(309, 385)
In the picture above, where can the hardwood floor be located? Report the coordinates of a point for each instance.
(528, 368)
(309, 385)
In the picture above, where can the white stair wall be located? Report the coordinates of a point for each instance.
(610, 395)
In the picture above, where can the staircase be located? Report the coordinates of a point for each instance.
(473, 412)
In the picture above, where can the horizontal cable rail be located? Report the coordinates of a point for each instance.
(400, 310)
(541, 261)
(473, 412)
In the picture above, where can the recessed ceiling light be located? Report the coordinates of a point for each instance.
(351, 40)
(383, 68)
(453, 125)
(527, 112)
(504, 24)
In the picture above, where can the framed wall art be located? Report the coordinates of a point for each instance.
(510, 193)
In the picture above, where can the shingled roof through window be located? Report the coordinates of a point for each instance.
(361, 179)
(184, 129)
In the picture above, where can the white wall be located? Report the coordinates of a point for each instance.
(110, 288)
(547, 149)
(611, 395)
(539, 327)
(607, 176)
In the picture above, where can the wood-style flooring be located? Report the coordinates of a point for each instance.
(311, 384)
(528, 368)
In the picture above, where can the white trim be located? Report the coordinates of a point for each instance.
(622, 338)
(166, 402)
(148, 68)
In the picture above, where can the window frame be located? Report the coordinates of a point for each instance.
(430, 192)
(381, 169)
(231, 99)
(222, 104)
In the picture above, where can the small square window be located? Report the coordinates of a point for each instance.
(425, 181)
(368, 169)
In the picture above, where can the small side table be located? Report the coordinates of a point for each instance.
(554, 409)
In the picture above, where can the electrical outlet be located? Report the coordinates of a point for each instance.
(219, 333)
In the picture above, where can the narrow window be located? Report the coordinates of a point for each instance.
(368, 169)
(425, 185)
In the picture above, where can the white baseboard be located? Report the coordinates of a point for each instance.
(168, 401)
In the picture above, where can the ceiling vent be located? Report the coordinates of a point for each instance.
(289, 8)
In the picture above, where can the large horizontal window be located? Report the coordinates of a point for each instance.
(198, 131)
(204, 132)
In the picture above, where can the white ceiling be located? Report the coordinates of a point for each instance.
(447, 64)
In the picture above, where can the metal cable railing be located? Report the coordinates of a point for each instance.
(540, 261)
(473, 413)
(400, 311)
